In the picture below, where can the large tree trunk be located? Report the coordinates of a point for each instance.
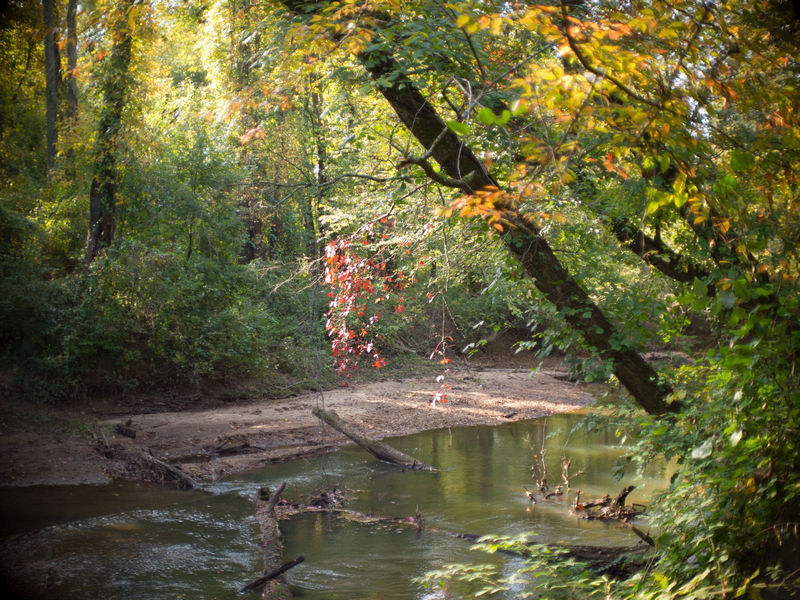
(102, 195)
(51, 71)
(520, 234)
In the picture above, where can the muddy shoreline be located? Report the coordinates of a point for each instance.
(96, 444)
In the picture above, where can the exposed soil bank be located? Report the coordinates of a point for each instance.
(59, 445)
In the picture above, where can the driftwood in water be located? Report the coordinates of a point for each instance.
(259, 581)
(379, 450)
(616, 561)
(608, 509)
(271, 547)
(183, 479)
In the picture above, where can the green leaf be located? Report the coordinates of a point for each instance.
(486, 116)
(741, 160)
(458, 127)
(661, 580)
(699, 288)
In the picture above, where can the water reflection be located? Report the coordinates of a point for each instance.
(148, 543)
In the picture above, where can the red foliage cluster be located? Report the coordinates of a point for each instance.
(357, 285)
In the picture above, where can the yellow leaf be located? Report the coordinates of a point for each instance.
(462, 20)
(698, 219)
(547, 75)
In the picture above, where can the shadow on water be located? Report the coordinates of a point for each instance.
(140, 542)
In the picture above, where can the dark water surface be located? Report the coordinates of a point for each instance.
(140, 542)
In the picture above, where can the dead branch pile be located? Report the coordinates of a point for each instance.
(607, 508)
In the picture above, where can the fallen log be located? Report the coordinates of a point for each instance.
(603, 559)
(271, 546)
(184, 480)
(378, 449)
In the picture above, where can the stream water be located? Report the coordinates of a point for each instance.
(148, 543)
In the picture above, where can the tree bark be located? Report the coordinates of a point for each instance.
(520, 234)
(51, 71)
(102, 194)
(379, 450)
(655, 253)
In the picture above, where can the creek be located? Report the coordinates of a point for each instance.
(148, 543)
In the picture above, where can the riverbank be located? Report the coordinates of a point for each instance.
(234, 432)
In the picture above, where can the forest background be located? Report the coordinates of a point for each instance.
(208, 191)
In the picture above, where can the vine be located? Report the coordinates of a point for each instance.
(358, 285)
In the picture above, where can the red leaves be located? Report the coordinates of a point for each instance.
(352, 278)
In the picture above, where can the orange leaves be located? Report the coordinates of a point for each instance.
(252, 134)
(608, 163)
(490, 203)
(611, 167)
(618, 30)
(496, 207)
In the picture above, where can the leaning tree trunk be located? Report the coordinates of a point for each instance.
(102, 194)
(520, 235)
